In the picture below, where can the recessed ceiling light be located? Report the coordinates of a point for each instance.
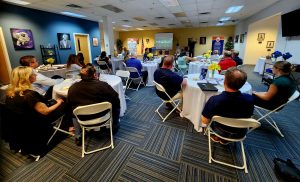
(72, 14)
(139, 29)
(225, 18)
(17, 2)
(220, 24)
(126, 26)
(234, 9)
(113, 22)
(169, 2)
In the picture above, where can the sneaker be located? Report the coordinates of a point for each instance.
(78, 141)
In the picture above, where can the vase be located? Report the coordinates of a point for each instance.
(213, 73)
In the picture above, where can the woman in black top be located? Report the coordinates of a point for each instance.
(103, 57)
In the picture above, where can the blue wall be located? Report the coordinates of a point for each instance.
(44, 27)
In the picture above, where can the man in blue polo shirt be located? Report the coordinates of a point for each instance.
(230, 103)
(133, 62)
(171, 81)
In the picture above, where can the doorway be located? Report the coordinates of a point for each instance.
(82, 44)
(5, 67)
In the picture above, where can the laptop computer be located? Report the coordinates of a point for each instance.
(207, 87)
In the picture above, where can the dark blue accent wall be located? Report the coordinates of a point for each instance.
(44, 27)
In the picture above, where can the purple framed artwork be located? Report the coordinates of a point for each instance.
(22, 38)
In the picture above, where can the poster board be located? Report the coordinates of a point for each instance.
(132, 45)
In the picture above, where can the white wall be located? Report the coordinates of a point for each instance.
(282, 44)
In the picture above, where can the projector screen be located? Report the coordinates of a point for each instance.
(164, 41)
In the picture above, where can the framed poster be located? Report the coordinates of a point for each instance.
(202, 40)
(260, 37)
(242, 38)
(64, 40)
(270, 44)
(236, 40)
(217, 44)
(95, 42)
(22, 38)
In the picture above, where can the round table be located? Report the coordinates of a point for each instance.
(195, 67)
(150, 67)
(116, 62)
(61, 90)
(194, 98)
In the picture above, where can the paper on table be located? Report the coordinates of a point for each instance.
(202, 81)
(213, 81)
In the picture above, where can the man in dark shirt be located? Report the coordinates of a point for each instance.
(230, 103)
(91, 90)
(133, 62)
(171, 81)
(236, 58)
(191, 44)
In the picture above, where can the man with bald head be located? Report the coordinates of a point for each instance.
(134, 62)
(230, 103)
(171, 81)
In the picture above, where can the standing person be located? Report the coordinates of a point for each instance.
(80, 58)
(73, 63)
(32, 109)
(280, 89)
(228, 104)
(191, 45)
(43, 85)
(171, 81)
(65, 42)
(134, 62)
(91, 90)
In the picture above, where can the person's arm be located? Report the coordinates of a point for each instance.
(204, 120)
(44, 109)
(269, 94)
(184, 83)
(43, 80)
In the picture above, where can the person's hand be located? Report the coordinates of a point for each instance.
(59, 100)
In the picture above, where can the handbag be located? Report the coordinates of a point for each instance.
(286, 169)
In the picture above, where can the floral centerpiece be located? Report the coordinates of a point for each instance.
(207, 54)
(50, 61)
(213, 67)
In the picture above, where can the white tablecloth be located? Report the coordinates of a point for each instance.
(194, 98)
(259, 67)
(115, 62)
(150, 66)
(54, 71)
(195, 67)
(114, 81)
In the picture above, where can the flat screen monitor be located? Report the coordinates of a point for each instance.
(289, 23)
(164, 41)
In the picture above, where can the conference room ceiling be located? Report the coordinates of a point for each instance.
(154, 14)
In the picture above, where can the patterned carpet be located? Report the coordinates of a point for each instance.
(146, 149)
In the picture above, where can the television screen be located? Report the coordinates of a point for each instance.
(164, 41)
(289, 24)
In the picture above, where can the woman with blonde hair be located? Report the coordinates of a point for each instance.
(29, 114)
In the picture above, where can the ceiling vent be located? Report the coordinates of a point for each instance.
(204, 22)
(153, 24)
(204, 13)
(144, 26)
(74, 6)
(160, 17)
(171, 24)
(138, 18)
(181, 14)
(125, 20)
(112, 8)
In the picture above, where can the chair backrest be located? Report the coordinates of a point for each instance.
(161, 88)
(93, 109)
(102, 63)
(123, 74)
(294, 96)
(181, 61)
(249, 123)
(133, 70)
(124, 66)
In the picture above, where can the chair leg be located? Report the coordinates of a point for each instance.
(244, 158)
(83, 145)
(209, 146)
(111, 136)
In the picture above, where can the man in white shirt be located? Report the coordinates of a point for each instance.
(43, 84)
(65, 43)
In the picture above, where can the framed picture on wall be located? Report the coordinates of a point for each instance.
(202, 40)
(236, 40)
(95, 42)
(22, 38)
(270, 44)
(64, 40)
(242, 38)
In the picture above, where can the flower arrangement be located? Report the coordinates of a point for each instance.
(207, 54)
(214, 67)
(286, 56)
(50, 60)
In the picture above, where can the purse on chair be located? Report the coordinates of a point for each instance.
(287, 169)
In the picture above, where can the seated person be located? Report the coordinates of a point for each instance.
(103, 57)
(160, 54)
(228, 104)
(43, 84)
(171, 81)
(215, 56)
(91, 90)
(280, 89)
(134, 62)
(226, 62)
(31, 111)
(80, 59)
(150, 55)
(73, 63)
(145, 54)
(236, 58)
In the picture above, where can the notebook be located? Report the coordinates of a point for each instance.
(207, 87)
